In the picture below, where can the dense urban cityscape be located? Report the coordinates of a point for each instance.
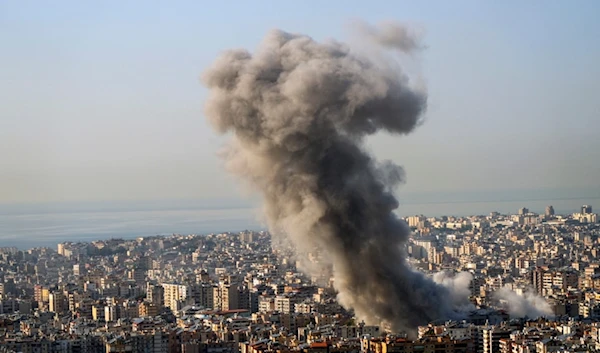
(299, 177)
(235, 292)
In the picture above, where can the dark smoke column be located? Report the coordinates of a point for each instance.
(298, 111)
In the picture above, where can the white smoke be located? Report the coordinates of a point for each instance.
(528, 305)
(458, 287)
(390, 35)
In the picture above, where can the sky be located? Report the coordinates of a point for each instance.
(101, 101)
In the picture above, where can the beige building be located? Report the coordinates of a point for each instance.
(175, 295)
(225, 297)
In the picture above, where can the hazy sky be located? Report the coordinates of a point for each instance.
(102, 101)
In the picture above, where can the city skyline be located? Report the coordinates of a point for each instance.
(48, 226)
(522, 282)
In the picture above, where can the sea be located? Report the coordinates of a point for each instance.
(35, 225)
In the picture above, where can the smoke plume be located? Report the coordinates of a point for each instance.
(388, 34)
(298, 111)
(458, 288)
(528, 305)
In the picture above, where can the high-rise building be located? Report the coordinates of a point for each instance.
(111, 313)
(253, 297)
(144, 263)
(544, 279)
(79, 269)
(416, 221)
(175, 295)
(202, 294)
(537, 279)
(98, 313)
(284, 304)
(37, 293)
(57, 301)
(246, 237)
(155, 294)
(225, 297)
(148, 309)
(244, 298)
(137, 274)
(60, 248)
(523, 211)
(492, 337)
(586, 209)
(422, 247)
(8, 287)
(549, 210)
